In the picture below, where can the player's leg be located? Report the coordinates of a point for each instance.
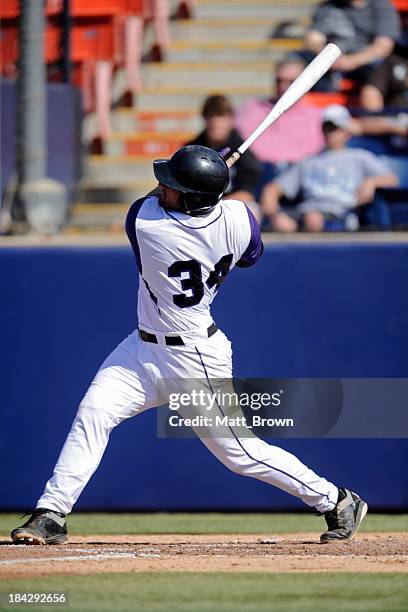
(205, 364)
(251, 456)
(122, 388)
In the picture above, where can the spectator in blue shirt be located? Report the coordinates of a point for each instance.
(329, 184)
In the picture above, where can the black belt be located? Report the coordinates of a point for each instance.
(173, 340)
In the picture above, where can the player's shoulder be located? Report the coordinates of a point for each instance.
(236, 215)
(235, 209)
(146, 207)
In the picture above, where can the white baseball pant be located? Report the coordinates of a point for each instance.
(128, 383)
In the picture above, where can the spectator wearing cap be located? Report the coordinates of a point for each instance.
(365, 30)
(220, 133)
(296, 135)
(329, 184)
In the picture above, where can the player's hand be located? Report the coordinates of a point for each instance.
(366, 191)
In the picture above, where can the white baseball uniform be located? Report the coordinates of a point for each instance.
(182, 261)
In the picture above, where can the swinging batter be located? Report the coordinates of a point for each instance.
(186, 240)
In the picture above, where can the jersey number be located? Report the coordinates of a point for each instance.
(194, 281)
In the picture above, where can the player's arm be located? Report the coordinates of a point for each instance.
(255, 247)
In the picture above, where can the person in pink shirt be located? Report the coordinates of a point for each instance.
(296, 135)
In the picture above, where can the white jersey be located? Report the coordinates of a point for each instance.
(182, 260)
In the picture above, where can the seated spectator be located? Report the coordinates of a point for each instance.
(365, 30)
(388, 83)
(331, 184)
(220, 133)
(296, 135)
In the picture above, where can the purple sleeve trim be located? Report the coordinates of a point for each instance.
(131, 229)
(255, 247)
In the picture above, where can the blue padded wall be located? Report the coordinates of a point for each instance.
(305, 310)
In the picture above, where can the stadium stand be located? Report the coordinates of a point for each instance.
(137, 111)
(9, 35)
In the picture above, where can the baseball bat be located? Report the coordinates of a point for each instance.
(304, 82)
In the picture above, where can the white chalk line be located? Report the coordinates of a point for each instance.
(97, 557)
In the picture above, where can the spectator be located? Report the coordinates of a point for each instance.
(220, 133)
(388, 84)
(331, 183)
(296, 135)
(365, 30)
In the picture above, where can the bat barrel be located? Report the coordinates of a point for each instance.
(304, 82)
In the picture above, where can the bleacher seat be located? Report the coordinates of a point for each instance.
(400, 5)
(8, 48)
(324, 98)
(9, 13)
(9, 9)
(97, 8)
(92, 39)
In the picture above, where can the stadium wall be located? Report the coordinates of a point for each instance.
(305, 310)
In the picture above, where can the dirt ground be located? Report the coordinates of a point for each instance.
(370, 552)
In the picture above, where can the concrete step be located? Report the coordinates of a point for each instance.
(201, 30)
(122, 192)
(266, 9)
(127, 120)
(94, 215)
(192, 98)
(236, 51)
(146, 143)
(116, 169)
(208, 75)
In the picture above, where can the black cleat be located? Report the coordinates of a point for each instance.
(345, 518)
(43, 527)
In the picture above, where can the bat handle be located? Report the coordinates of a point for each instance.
(234, 157)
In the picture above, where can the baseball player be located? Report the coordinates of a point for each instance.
(186, 240)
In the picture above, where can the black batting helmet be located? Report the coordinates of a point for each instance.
(199, 173)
